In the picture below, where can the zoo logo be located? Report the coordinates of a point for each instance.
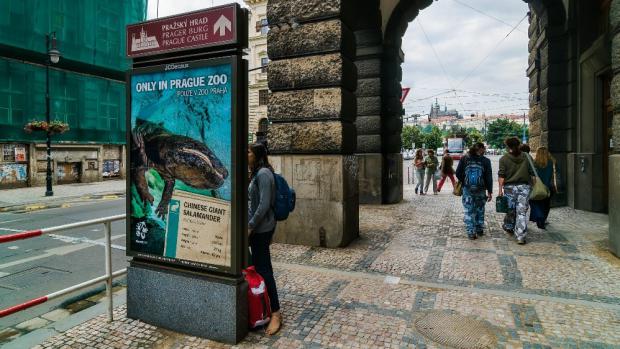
(141, 230)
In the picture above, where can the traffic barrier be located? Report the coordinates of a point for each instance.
(107, 222)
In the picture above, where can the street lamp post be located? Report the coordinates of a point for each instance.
(53, 56)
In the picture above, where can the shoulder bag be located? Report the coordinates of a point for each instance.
(458, 189)
(539, 189)
(501, 204)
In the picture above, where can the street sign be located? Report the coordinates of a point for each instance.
(215, 26)
(404, 94)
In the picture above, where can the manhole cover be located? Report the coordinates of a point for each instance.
(456, 331)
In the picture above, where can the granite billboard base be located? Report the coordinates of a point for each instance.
(192, 303)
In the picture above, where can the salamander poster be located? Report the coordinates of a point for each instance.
(180, 163)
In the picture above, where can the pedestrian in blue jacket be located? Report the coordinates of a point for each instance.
(476, 176)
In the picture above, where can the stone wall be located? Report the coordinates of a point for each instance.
(614, 160)
(312, 107)
(552, 87)
(368, 121)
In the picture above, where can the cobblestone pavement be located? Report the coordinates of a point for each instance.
(413, 279)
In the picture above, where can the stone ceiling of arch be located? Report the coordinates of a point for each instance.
(388, 6)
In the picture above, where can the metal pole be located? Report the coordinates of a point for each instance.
(408, 177)
(524, 140)
(48, 174)
(108, 268)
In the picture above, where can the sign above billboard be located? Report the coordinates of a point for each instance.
(215, 26)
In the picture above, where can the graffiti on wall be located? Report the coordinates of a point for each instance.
(111, 168)
(11, 173)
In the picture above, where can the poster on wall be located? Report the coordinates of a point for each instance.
(181, 156)
(20, 153)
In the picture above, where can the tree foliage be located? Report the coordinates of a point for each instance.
(434, 138)
(429, 136)
(501, 129)
(474, 136)
(412, 135)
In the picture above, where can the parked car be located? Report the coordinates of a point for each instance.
(439, 151)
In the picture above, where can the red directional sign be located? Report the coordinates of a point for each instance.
(404, 94)
(204, 28)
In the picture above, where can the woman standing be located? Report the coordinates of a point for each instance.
(418, 162)
(431, 163)
(515, 179)
(262, 224)
(447, 170)
(545, 167)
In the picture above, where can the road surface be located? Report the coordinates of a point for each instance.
(41, 265)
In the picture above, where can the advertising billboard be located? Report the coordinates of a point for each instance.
(183, 131)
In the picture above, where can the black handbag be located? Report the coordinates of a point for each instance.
(501, 204)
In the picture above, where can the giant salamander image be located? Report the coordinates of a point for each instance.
(174, 157)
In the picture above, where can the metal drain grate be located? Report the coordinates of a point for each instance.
(455, 331)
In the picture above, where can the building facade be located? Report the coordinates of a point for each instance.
(87, 88)
(258, 60)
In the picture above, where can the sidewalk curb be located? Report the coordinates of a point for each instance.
(40, 335)
(62, 202)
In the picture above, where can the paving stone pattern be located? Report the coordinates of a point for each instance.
(561, 290)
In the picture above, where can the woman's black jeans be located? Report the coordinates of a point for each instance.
(261, 259)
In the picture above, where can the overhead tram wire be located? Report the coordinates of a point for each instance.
(492, 51)
(433, 96)
(438, 59)
(486, 14)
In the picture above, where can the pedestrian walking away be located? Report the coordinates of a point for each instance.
(515, 178)
(420, 167)
(475, 173)
(545, 167)
(431, 163)
(262, 225)
(447, 171)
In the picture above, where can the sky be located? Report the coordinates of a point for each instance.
(465, 58)
(461, 34)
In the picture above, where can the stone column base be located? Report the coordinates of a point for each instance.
(614, 204)
(192, 303)
(327, 209)
(370, 178)
(393, 179)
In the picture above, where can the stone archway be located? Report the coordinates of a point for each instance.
(549, 90)
(335, 103)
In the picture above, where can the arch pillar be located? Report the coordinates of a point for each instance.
(614, 159)
(312, 107)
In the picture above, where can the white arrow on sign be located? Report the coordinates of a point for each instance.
(222, 24)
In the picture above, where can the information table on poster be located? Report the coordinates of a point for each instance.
(198, 229)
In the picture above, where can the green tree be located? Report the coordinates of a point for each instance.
(433, 138)
(473, 136)
(501, 129)
(412, 135)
